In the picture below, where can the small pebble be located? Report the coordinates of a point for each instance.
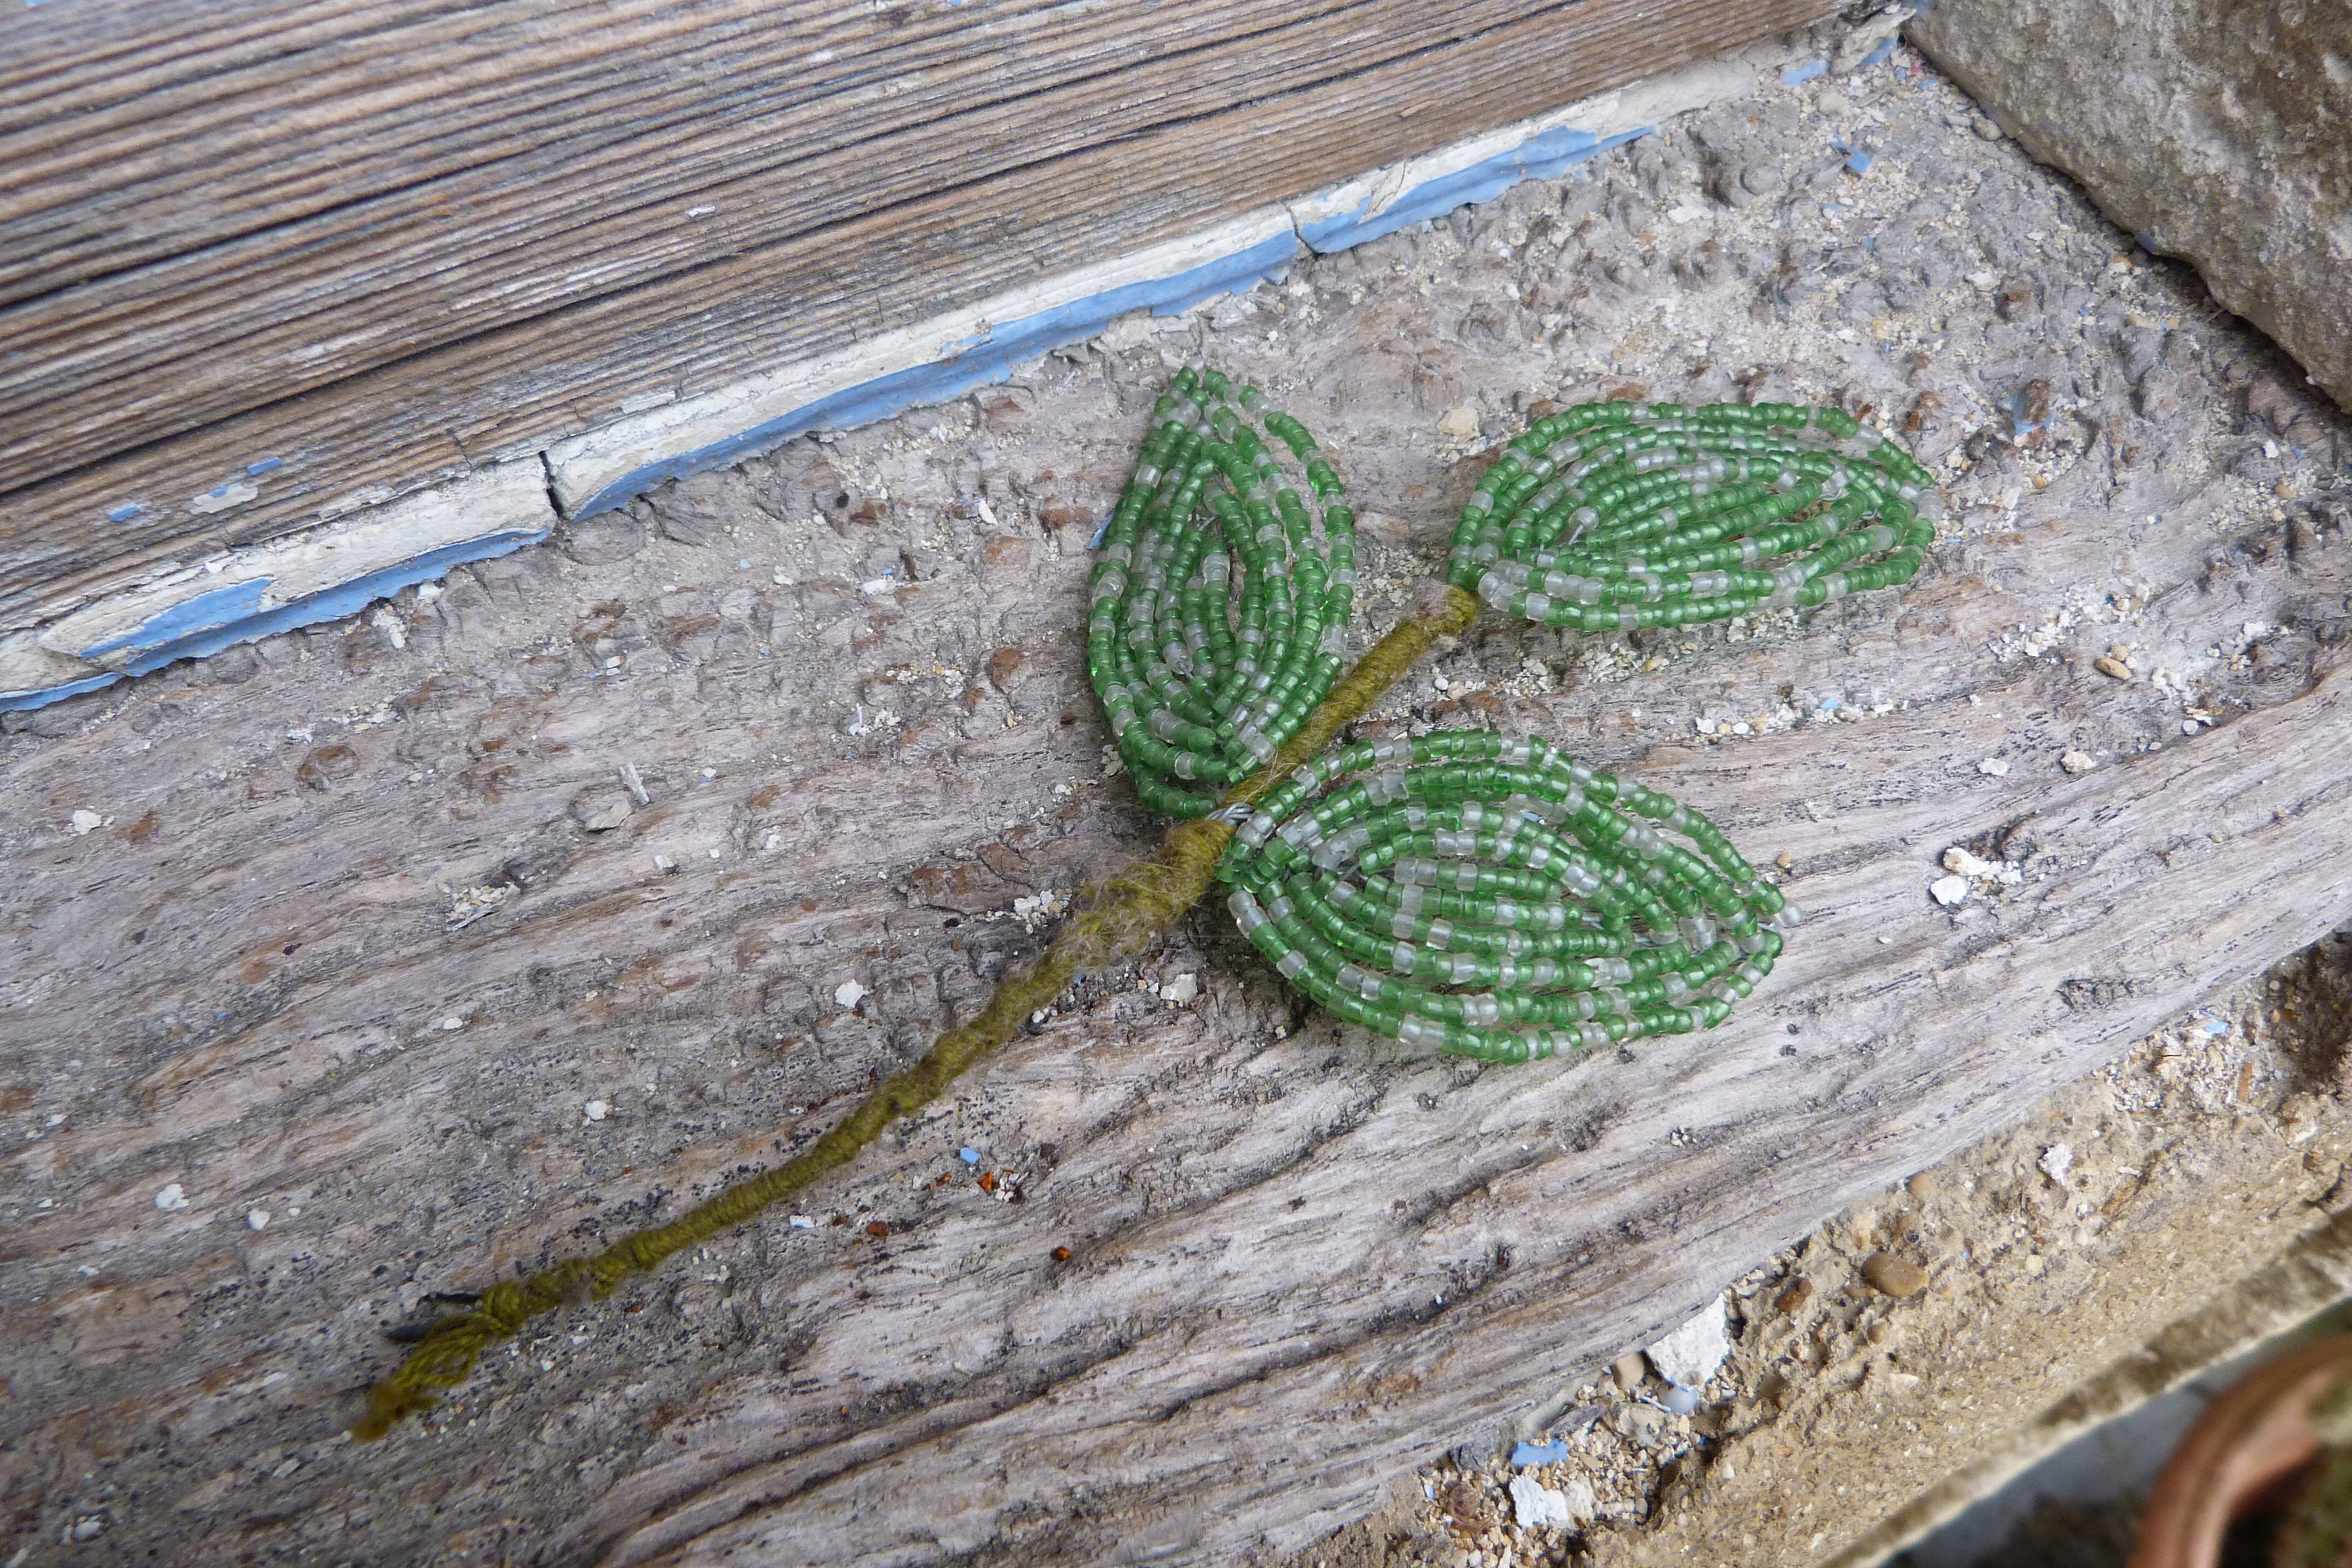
(1784, 859)
(1694, 1353)
(1993, 768)
(172, 1197)
(597, 1110)
(1922, 1186)
(2109, 665)
(1536, 1506)
(2056, 1160)
(1892, 1276)
(2078, 762)
(85, 821)
(257, 1218)
(1986, 129)
(1680, 1400)
(452, 1022)
(1628, 1373)
(849, 993)
(600, 811)
(1949, 891)
(2189, 726)
(1959, 861)
(1793, 1299)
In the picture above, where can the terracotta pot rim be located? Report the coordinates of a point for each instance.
(2255, 1435)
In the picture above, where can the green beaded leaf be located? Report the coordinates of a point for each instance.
(1495, 898)
(1618, 516)
(1221, 594)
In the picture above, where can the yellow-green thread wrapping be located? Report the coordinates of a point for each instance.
(1118, 918)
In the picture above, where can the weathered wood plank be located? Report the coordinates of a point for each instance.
(524, 230)
(248, 994)
(1315, 1235)
(338, 106)
(511, 390)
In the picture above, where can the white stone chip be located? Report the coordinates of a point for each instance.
(257, 1218)
(2078, 762)
(1460, 423)
(85, 821)
(1993, 768)
(1695, 1351)
(1183, 989)
(849, 993)
(2056, 1160)
(1949, 891)
(1959, 861)
(1537, 1504)
(172, 1197)
(1566, 1507)
(597, 1110)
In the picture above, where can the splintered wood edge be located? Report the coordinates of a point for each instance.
(335, 568)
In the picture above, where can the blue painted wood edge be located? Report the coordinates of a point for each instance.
(1545, 156)
(226, 616)
(980, 362)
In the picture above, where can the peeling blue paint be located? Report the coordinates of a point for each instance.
(982, 362)
(208, 612)
(1798, 74)
(1879, 56)
(227, 616)
(232, 615)
(1543, 157)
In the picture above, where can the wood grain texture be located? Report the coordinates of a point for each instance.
(427, 304)
(1298, 1254)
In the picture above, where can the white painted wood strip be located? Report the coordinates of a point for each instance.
(323, 575)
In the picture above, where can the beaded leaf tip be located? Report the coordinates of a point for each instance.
(1495, 898)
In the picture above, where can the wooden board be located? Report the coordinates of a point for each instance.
(408, 273)
(1300, 1257)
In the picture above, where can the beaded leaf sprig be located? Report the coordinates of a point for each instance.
(1490, 898)
(1520, 904)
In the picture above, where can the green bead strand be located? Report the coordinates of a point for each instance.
(1221, 594)
(1624, 516)
(1492, 897)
